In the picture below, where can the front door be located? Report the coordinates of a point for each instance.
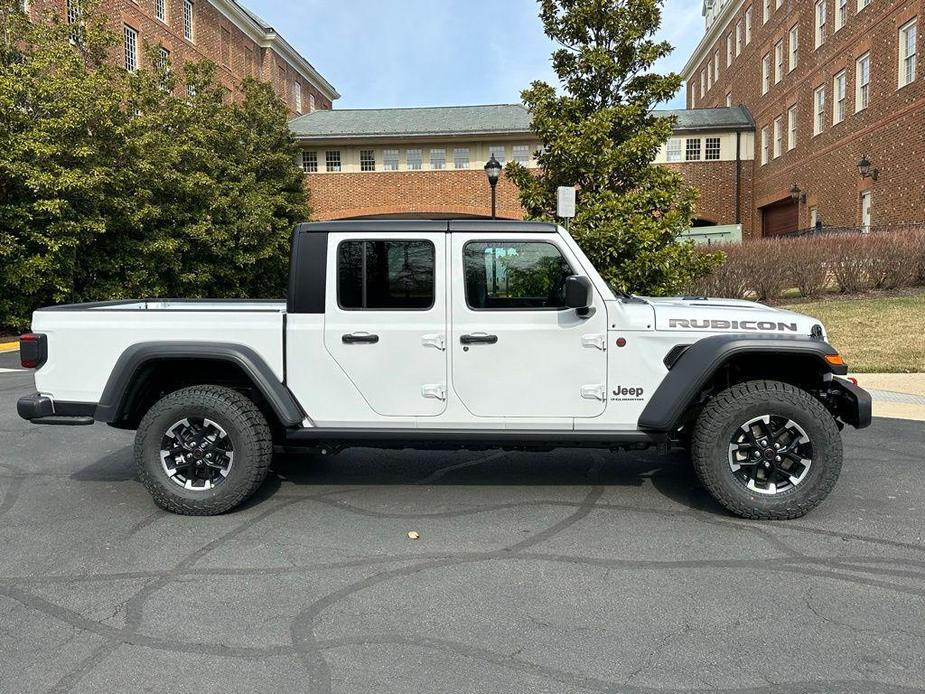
(517, 351)
(385, 319)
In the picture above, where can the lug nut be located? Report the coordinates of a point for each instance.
(777, 458)
(776, 446)
(764, 443)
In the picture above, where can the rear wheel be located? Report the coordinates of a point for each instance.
(203, 450)
(767, 450)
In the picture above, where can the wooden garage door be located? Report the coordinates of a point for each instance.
(780, 218)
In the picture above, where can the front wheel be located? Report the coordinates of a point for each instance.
(203, 450)
(767, 450)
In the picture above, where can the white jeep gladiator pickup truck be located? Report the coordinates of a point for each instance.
(449, 334)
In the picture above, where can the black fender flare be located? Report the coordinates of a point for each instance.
(699, 362)
(113, 400)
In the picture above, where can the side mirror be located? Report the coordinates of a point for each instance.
(579, 295)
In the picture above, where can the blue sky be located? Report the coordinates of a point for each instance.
(381, 53)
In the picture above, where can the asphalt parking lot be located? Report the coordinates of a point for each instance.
(562, 572)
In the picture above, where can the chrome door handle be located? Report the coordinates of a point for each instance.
(360, 339)
(479, 339)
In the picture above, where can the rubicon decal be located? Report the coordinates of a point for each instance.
(749, 325)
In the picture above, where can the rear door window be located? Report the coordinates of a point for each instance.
(383, 275)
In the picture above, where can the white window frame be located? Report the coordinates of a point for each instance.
(521, 154)
(908, 61)
(309, 162)
(390, 160)
(867, 210)
(414, 159)
(462, 158)
(839, 97)
(712, 145)
(728, 50)
(862, 83)
(766, 12)
(738, 38)
(778, 137)
(437, 158)
(333, 161)
(819, 111)
(367, 160)
(820, 13)
(792, 128)
(748, 25)
(794, 53)
(130, 41)
(764, 146)
(862, 4)
(689, 150)
(674, 150)
(765, 74)
(160, 10)
(778, 61)
(311, 103)
(841, 14)
(189, 21)
(495, 150)
(297, 96)
(716, 66)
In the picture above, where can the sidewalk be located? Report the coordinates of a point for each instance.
(901, 396)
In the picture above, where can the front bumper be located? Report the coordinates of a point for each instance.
(852, 404)
(41, 409)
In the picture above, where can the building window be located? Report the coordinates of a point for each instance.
(794, 48)
(332, 161)
(414, 159)
(862, 83)
(189, 29)
(863, 3)
(766, 13)
(311, 103)
(728, 50)
(131, 48)
(841, 13)
(907, 54)
(716, 66)
(711, 149)
(438, 158)
(310, 162)
(496, 151)
(521, 154)
(738, 38)
(160, 10)
(764, 145)
(390, 160)
(728, 99)
(248, 61)
(778, 62)
(297, 97)
(73, 18)
(819, 111)
(703, 80)
(225, 46)
(385, 275)
(791, 128)
(190, 91)
(839, 97)
(778, 137)
(820, 22)
(163, 59)
(693, 149)
(765, 74)
(461, 158)
(673, 152)
(748, 25)
(865, 211)
(813, 217)
(367, 160)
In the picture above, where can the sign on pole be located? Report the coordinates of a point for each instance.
(565, 207)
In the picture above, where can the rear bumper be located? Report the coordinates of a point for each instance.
(41, 409)
(852, 404)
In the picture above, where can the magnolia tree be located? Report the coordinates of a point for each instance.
(114, 184)
(600, 135)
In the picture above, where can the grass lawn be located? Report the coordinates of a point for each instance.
(883, 334)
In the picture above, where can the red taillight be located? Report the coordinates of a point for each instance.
(33, 350)
(853, 380)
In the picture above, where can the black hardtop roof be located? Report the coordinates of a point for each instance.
(504, 226)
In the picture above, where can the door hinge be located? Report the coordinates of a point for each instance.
(595, 392)
(598, 341)
(438, 341)
(434, 391)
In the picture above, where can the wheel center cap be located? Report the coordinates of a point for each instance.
(769, 454)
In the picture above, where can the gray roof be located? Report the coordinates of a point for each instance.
(413, 122)
(495, 119)
(731, 118)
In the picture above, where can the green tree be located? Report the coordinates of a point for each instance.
(601, 136)
(151, 184)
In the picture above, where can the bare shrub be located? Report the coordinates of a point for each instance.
(893, 263)
(730, 280)
(849, 262)
(767, 263)
(807, 265)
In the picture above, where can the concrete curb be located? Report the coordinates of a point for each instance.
(9, 346)
(898, 396)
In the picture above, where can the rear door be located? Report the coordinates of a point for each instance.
(386, 318)
(517, 351)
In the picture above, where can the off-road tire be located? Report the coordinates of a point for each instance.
(244, 424)
(732, 408)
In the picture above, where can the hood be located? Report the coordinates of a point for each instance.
(698, 314)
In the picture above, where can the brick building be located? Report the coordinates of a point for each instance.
(223, 31)
(830, 84)
(428, 162)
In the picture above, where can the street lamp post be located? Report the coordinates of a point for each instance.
(493, 170)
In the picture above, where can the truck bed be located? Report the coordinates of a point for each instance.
(86, 340)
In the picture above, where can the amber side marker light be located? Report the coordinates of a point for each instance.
(835, 359)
